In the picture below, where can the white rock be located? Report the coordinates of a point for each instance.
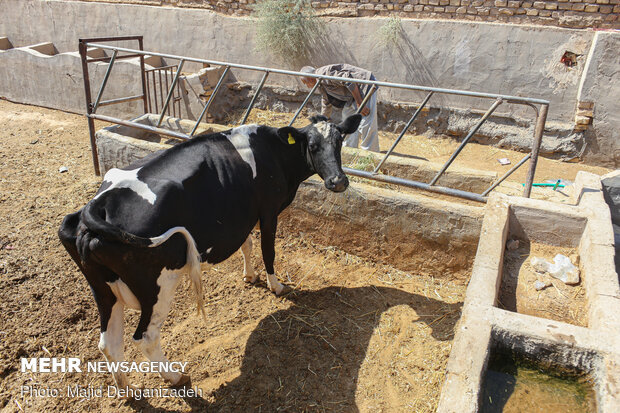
(562, 268)
(63, 169)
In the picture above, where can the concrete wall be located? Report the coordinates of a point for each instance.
(576, 13)
(507, 59)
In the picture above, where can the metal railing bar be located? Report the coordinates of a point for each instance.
(161, 91)
(206, 108)
(148, 92)
(466, 140)
(507, 174)
(106, 76)
(538, 135)
(137, 125)
(161, 68)
(107, 59)
(258, 89)
(109, 39)
(405, 129)
(143, 78)
(120, 100)
(305, 102)
(512, 99)
(415, 184)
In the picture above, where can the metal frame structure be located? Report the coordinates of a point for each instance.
(541, 111)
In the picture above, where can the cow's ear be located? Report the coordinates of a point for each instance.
(290, 136)
(350, 124)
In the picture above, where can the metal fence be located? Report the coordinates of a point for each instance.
(540, 107)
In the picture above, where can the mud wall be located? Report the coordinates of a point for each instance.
(494, 58)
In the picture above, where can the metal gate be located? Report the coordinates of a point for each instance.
(540, 107)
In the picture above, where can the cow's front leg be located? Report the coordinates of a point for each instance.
(249, 276)
(268, 246)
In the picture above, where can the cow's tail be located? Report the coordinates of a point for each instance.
(192, 263)
(93, 217)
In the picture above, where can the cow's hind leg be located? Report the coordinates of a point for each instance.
(249, 276)
(111, 339)
(148, 332)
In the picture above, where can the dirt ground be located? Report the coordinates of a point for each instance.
(558, 301)
(352, 336)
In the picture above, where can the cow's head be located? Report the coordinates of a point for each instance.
(322, 143)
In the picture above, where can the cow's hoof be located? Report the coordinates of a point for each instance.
(250, 280)
(182, 381)
(282, 289)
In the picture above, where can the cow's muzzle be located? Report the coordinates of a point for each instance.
(337, 183)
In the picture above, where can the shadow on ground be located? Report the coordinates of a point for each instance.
(311, 353)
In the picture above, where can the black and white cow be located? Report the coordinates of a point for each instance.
(196, 202)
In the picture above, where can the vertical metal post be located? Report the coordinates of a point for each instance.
(260, 86)
(91, 123)
(538, 135)
(467, 138)
(306, 100)
(106, 76)
(415, 115)
(170, 92)
(206, 108)
(143, 77)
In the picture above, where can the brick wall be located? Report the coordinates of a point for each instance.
(563, 13)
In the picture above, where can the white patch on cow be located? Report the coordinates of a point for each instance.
(128, 179)
(249, 276)
(124, 295)
(274, 285)
(324, 129)
(150, 343)
(111, 342)
(240, 138)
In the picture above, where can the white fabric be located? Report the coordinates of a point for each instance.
(367, 132)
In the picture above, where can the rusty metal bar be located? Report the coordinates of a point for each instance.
(415, 184)
(91, 123)
(405, 129)
(206, 108)
(120, 100)
(106, 76)
(467, 138)
(538, 135)
(107, 59)
(143, 78)
(137, 125)
(170, 92)
(161, 91)
(306, 100)
(507, 174)
(258, 89)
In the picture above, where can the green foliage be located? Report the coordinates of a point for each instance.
(391, 32)
(286, 28)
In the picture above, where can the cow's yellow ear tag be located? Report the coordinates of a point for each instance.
(291, 140)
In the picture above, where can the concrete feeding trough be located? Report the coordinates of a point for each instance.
(589, 347)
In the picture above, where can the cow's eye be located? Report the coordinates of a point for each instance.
(313, 147)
